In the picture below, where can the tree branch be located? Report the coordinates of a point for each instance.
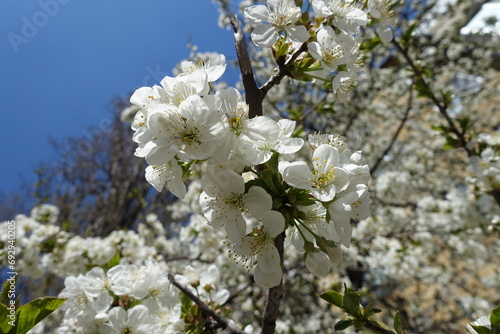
(223, 323)
(275, 296)
(253, 94)
(441, 106)
(282, 70)
(254, 97)
(396, 134)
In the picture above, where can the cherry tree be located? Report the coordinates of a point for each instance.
(347, 164)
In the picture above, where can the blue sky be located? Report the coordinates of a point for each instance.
(63, 61)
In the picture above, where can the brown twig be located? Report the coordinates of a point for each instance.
(223, 323)
(396, 134)
(254, 98)
(442, 107)
(282, 70)
(275, 296)
(253, 94)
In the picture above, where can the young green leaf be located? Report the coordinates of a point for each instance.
(495, 316)
(4, 295)
(481, 329)
(35, 311)
(397, 324)
(351, 303)
(115, 260)
(5, 327)
(343, 324)
(333, 297)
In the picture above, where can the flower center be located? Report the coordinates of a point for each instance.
(190, 136)
(236, 125)
(332, 53)
(283, 14)
(321, 180)
(235, 200)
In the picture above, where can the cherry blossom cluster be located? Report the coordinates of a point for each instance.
(185, 127)
(486, 166)
(142, 253)
(332, 40)
(135, 299)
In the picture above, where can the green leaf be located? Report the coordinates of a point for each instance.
(115, 260)
(406, 37)
(481, 329)
(370, 44)
(495, 316)
(268, 178)
(4, 295)
(5, 327)
(343, 324)
(422, 89)
(495, 329)
(333, 297)
(351, 303)
(185, 304)
(398, 326)
(273, 163)
(35, 311)
(447, 97)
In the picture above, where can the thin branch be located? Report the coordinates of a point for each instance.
(396, 134)
(313, 108)
(253, 94)
(442, 107)
(282, 70)
(223, 323)
(275, 296)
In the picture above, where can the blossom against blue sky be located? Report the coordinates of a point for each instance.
(62, 63)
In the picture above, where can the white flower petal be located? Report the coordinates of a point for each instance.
(257, 14)
(273, 222)
(264, 35)
(318, 263)
(267, 280)
(297, 33)
(258, 201)
(297, 174)
(268, 258)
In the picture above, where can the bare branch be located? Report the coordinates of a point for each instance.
(223, 323)
(282, 70)
(396, 134)
(275, 296)
(440, 105)
(253, 94)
